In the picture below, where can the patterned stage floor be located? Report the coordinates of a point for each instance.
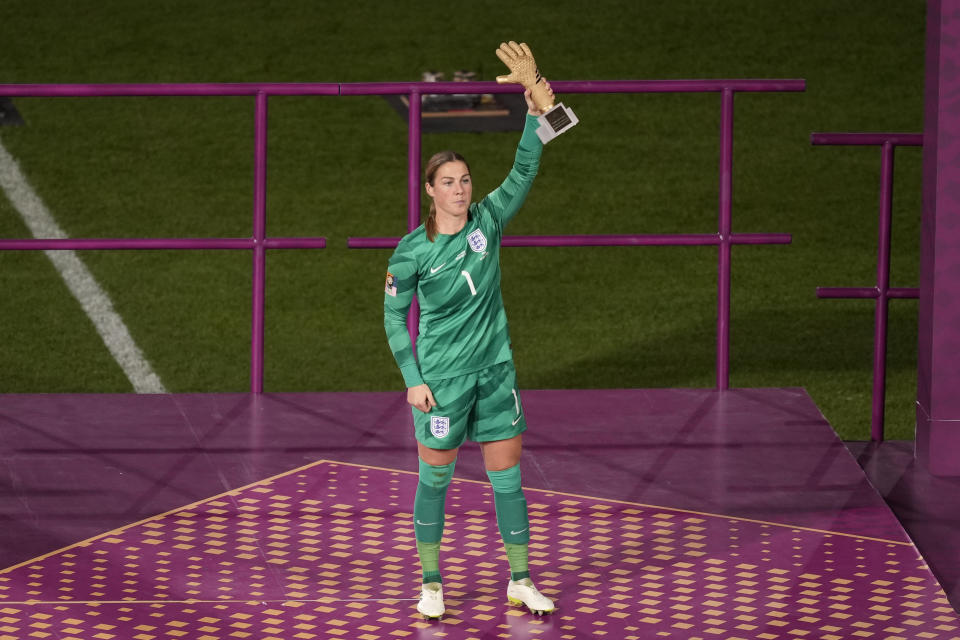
(327, 551)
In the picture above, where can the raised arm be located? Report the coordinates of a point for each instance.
(505, 201)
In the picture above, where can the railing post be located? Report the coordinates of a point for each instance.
(725, 215)
(413, 194)
(881, 292)
(259, 238)
(883, 286)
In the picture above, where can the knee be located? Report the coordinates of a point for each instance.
(436, 477)
(505, 481)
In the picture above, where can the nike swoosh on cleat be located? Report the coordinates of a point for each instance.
(435, 269)
(427, 524)
(516, 533)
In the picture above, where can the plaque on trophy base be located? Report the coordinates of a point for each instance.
(555, 121)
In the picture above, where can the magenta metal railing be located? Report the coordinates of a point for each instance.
(260, 242)
(724, 238)
(882, 292)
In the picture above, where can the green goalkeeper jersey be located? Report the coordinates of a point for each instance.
(463, 326)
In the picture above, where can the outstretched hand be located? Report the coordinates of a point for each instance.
(420, 397)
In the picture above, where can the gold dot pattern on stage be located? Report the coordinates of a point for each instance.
(328, 552)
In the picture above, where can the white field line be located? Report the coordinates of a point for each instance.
(94, 300)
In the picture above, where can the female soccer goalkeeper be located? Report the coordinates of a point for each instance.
(462, 384)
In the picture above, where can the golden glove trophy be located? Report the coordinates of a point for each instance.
(555, 119)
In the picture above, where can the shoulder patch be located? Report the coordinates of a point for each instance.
(391, 287)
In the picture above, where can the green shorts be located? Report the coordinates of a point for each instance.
(481, 406)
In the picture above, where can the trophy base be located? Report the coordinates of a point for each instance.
(555, 121)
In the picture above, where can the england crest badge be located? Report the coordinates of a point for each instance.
(477, 241)
(439, 426)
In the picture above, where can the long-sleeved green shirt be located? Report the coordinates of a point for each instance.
(463, 325)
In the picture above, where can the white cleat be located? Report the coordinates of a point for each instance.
(431, 601)
(522, 592)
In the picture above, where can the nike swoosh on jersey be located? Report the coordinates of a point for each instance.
(517, 420)
(435, 269)
(516, 533)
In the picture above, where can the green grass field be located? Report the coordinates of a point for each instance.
(600, 317)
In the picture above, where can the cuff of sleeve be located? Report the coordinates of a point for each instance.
(411, 375)
(530, 137)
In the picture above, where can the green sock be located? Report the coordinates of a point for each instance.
(517, 557)
(430, 561)
(428, 516)
(512, 519)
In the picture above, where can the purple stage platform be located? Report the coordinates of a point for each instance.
(655, 513)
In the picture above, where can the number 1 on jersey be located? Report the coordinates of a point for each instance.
(466, 275)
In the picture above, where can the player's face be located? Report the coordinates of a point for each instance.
(451, 189)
